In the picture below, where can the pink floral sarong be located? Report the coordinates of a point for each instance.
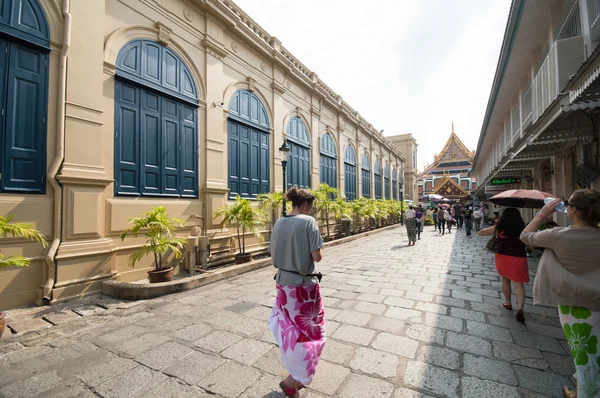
(298, 325)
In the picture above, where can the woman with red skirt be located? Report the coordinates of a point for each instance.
(511, 261)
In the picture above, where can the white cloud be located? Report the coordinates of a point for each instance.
(408, 66)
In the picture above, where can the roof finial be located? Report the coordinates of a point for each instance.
(452, 127)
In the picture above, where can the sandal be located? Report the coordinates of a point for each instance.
(507, 306)
(520, 317)
(289, 392)
(568, 393)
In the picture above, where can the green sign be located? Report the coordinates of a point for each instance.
(506, 181)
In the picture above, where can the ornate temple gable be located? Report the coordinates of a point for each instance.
(447, 187)
(454, 150)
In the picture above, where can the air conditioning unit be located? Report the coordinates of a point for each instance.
(584, 175)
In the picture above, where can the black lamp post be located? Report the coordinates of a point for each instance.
(284, 152)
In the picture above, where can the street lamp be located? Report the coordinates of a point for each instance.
(284, 152)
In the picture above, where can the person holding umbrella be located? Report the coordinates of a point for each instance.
(568, 276)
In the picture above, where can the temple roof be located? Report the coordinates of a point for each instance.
(453, 152)
(448, 188)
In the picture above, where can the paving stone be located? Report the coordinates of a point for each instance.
(359, 386)
(61, 317)
(133, 383)
(173, 388)
(345, 295)
(246, 351)
(372, 298)
(467, 314)
(489, 332)
(389, 325)
(70, 389)
(439, 356)
(368, 289)
(354, 334)
(467, 296)
(431, 378)
(229, 380)
(370, 308)
(473, 387)
(329, 377)
(392, 292)
(402, 313)
(123, 334)
(353, 318)
(331, 313)
(142, 343)
(374, 362)
(511, 352)
(489, 369)
(444, 322)
(330, 302)
(419, 296)
(542, 343)
(425, 333)
(465, 343)
(399, 302)
(87, 310)
(486, 292)
(164, 355)
(103, 366)
(561, 364)
(267, 386)
(193, 332)
(545, 330)
(347, 304)
(242, 307)
(398, 345)
(408, 393)
(32, 386)
(192, 368)
(11, 347)
(449, 301)
(217, 341)
(430, 307)
(542, 382)
(337, 352)
(540, 364)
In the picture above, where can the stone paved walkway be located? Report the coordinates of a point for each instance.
(424, 321)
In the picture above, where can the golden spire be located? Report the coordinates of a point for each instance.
(453, 127)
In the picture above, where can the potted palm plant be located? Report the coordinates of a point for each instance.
(247, 219)
(324, 197)
(271, 202)
(159, 231)
(22, 230)
(341, 211)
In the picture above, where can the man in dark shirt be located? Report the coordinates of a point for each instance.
(468, 214)
(458, 214)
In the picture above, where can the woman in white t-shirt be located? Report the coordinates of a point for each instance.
(410, 218)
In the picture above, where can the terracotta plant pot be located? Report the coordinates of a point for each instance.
(242, 258)
(164, 275)
(2, 322)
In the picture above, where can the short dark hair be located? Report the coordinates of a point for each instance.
(299, 196)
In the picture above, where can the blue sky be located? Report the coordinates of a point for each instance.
(407, 66)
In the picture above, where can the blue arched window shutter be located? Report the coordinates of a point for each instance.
(377, 173)
(248, 146)
(350, 173)
(299, 158)
(156, 143)
(328, 161)
(394, 184)
(386, 178)
(24, 46)
(366, 176)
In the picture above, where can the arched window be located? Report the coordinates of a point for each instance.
(377, 173)
(366, 176)
(328, 161)
(156, 138)
(394, 184)
(24, 49)
(248, 146)
(299, 159)
(386, 178)
(350, 173)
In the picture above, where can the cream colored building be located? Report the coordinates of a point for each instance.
(137, 103)
(541, 121)
(407, 145)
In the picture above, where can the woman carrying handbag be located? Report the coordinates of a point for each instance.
(511, 258)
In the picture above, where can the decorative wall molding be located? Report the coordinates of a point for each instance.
(278, 88)
(251, 84)
(164, 33)
(215, 48)
(188, 14)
